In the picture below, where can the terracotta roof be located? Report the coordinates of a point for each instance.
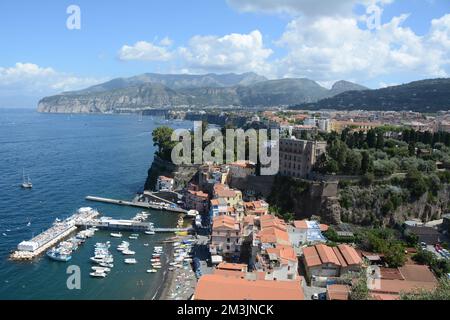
(283, 252)
(311, 257)
(343, 255)
(223, 191)
(399, 286)
(199, 194)
(301, 224)
(274, 235)
(338, 292)
(232, 266)
(327, 254)
(165, 178)
(350, 254)
(220, 287)
(225, 222)
(417, 273)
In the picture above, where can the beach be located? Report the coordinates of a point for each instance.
(178, 284)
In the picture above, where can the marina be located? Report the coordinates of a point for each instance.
(28, 250)
(88, 221)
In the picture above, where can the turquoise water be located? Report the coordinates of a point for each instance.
(69, 157)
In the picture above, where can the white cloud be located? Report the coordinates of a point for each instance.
(303, 7)
(31, 79)
(147, 51)
(233, 52)
(328, 48)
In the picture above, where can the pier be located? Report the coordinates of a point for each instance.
(28, 250)
(126, 225)
(137, 204)
(83, 219)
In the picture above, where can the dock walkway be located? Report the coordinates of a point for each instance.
(143, 205)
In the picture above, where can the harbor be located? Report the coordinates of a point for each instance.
(85, 219)
(28, 250)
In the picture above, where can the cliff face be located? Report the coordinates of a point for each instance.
(358, 205)
(367, 206)
(181, 174)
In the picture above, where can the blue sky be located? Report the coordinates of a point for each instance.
(323, 40)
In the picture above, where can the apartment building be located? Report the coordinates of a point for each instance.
(298, 157)
(226, 237)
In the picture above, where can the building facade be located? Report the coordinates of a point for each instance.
(298, 157)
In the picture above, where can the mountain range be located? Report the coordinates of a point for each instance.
(431, 95)
(158, 90)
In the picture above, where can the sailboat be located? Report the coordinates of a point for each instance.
(26, 183)
(141, 117)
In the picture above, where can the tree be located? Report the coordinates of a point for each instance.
(371, 138)
(415, 183)
(162, 140)
(360, 290)
(380, 141)
(366, 164)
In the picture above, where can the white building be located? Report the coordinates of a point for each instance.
(164, 184)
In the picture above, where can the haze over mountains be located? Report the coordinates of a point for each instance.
(158, 90)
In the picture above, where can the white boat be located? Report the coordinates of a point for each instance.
(98, 274)
(152, 271)
(150, 232)
(26, 183)
(116, 235)
(157, 267)
(128, 252)
(130, 261)
(101, 269)
(132, 238)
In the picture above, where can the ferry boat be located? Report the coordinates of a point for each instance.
(59, 255)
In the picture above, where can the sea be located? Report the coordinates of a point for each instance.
(69, 157)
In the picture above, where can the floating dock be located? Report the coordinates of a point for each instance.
(28, 250)
(137, 204)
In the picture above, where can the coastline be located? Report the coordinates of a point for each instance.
(178, 284)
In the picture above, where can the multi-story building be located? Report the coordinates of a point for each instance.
(279, 263)
(164, 184)
(226, 237)
(298, 157)
(257, 208)
(197, 200)
(231, 196)
(242, 169)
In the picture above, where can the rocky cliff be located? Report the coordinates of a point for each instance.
(181, 174)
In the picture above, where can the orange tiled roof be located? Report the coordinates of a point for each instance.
(338, 292)
(232, 266)
(350, 254)
(342, 255)
(220, 287)
(284, 252)
(225, 222)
